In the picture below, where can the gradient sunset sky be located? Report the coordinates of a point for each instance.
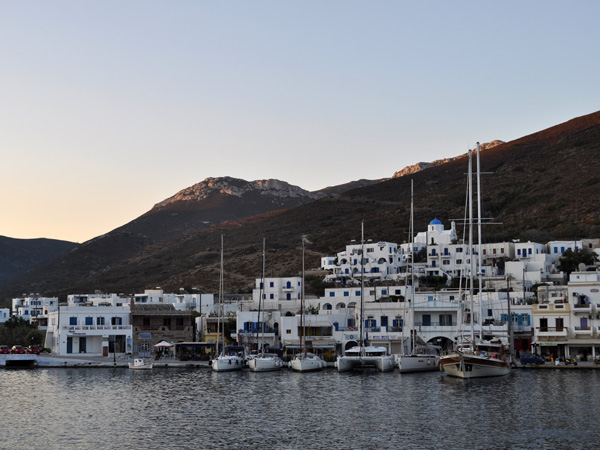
(108, 107)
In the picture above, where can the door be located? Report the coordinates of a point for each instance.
(82, 345)
(69, 345)
(584, 323)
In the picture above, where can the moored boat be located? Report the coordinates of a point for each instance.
(140, 364)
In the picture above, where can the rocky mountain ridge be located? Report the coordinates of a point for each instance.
(409, 170)
(238, 188)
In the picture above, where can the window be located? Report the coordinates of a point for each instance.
(166, 322)
(271, 284)
(72, 321)
(426, 320)
(459, 249)
(89, 321)
(288, 331)
(346, 294)
(116, 321)
(271, 296)
(331, 294)
(446, 320)
(519, 251)
(99, 320)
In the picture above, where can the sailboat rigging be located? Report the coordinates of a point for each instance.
(224, 362)
(481, 358)
(262, 361)
(416, 361)
(305, 361)
(362, 356)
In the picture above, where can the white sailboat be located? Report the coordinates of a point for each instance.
(482, 358)
(362, 356)
(263, 362)
(420, 359)
(224, 362)
(305, 361)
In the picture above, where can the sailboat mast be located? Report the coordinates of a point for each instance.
(362, 286)
(412, 271)
(260, 344)
(302, 346)
(479, 259)
(470, 174)
(221, 311)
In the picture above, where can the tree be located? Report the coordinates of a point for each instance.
(570, 260)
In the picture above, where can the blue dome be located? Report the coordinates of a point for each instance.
(435, 222)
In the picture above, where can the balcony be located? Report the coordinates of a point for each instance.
(583, 332)
(582, 308)
(551, 333)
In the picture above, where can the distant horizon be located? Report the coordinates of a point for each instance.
(110, 108)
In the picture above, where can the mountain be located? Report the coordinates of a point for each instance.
(17, 256)
(541, 186)
(213, 201)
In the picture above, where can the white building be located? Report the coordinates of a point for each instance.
(529, 250)
(33, 308)
(557, 248)
(382, 261)
(570, 325)
(203, 303)
(4, 315)
(92, 330)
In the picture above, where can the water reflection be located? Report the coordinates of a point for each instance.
(173, 408)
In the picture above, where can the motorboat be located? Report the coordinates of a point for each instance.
(140, 364)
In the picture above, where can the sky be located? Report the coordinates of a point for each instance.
(109, 107)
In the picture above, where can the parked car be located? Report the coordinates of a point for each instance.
(33, 349)
(18, 349)
(530, 358)
(4, 350)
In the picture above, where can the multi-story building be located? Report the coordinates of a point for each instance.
(569, 325)
(157, 322)
(94, 330)
(4, 315)
(34, 309)
(382, 261)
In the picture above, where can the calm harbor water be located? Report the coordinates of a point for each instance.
(197, 409)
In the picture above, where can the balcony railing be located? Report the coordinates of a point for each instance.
(552, 332)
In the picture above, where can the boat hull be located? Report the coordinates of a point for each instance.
(383, 363)
(264, 364)
(307, 364)
(227, 363)
(473, 366)
(417, 363)
(140, 364)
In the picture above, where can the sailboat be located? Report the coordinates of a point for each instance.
(224, 362)
(479, 358)
(418, 360)
(263, 362)
(305, 361)
(362, 356)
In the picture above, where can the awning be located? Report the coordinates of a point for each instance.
(163, 344)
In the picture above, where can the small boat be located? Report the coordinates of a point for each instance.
(307, 362)
(488, 359)
(264, 362)
(140, 364)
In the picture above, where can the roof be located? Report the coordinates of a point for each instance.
(435, 222)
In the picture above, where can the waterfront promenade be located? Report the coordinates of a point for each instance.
(53, 361)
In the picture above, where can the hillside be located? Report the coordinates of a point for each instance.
(544, 186)
(17, 256)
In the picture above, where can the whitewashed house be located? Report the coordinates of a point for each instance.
(91, 330)
(4, 315)
(34, 309)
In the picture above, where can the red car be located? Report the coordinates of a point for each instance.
(18, 349)
(33, 349)
(4, 350)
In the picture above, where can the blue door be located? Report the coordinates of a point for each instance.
(69, 345)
